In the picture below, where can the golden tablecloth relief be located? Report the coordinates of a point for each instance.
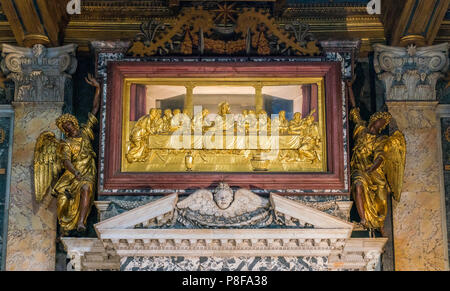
(246, 142)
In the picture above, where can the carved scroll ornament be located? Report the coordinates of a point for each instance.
(195, 31)
(39, 73)
(411, 74)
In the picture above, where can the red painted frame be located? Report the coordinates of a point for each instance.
(331, 72)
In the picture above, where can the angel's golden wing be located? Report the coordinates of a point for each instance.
(47, 166)
(394, 166)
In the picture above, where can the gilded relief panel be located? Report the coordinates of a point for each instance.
(224, 125)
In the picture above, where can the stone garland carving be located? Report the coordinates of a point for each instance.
(411, 74)
(39, 73)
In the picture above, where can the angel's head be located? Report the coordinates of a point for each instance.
(68, 124)
(223, 196)
(378, 122)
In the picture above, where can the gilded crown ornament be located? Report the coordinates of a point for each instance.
(203, 30)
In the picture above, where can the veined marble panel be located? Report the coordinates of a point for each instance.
(223, 264)
(444, 143)
(32, 226)
(418, 227)
(6, 129)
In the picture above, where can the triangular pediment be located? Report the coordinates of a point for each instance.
(297, 210)
(140, 214)
(280, 227)
(167, 205)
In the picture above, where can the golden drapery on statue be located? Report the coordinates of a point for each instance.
(79, 151)
(49, 156)
(66, 169)
(377, 167)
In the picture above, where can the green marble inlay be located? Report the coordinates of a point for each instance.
(5, 133)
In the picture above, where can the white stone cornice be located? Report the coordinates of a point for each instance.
(358, 254)
(39, 73)
(411, 74)
(110, 46)
(88, 254)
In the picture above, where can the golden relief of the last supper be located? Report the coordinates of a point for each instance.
(226, 125)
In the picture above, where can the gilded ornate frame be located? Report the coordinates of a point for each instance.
(335, 180)
(209, 81)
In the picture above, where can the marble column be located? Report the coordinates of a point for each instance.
(410, 76)
(40, 75)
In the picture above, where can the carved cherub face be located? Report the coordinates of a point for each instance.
(223, 197)
(297, 116)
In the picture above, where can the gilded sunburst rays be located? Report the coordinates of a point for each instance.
(225, 13)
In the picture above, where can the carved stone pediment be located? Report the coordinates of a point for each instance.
(157, 214)
(224, 223)
(159, 228)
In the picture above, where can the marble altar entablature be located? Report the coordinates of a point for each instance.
(227, 224)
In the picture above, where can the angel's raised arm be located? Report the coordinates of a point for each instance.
(96, 102)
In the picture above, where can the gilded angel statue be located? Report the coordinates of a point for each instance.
(377, 165)
(66, 169)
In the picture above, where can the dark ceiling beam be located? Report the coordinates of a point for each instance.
(36, 21)
(413, 21)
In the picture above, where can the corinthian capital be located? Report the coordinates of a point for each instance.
(39, 73)
(411, 74)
